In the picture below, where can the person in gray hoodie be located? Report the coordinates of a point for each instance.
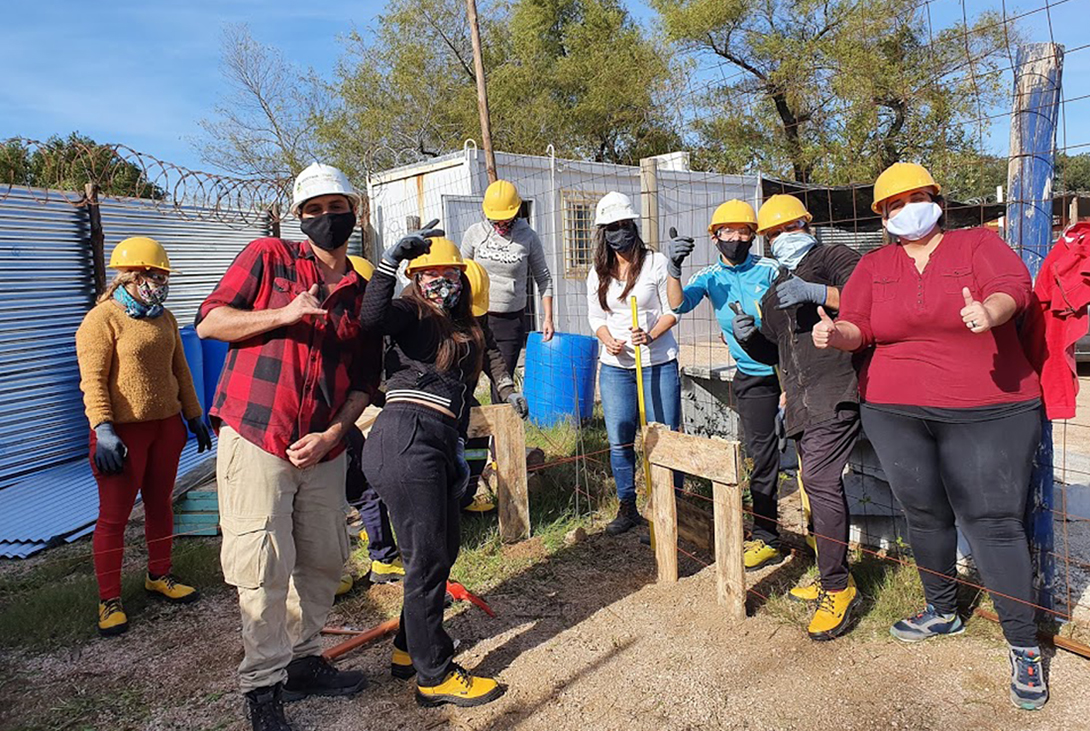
(510, 251)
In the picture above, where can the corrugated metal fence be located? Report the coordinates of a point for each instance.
(46, 288)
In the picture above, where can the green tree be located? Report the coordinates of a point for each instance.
(70, 163)
(577, 74)
(833, 91)
(1073, 173)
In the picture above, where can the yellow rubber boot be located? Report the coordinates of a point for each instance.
(459, 688)
(757, 554)
(401, 665)
(112, 620)
(833, 614)
(387, 573)
(167, 587)
(347, 582)
(812, 592)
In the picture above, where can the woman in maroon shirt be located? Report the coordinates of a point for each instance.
(951, 405)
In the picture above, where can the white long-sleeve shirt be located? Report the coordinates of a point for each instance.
(651, 303)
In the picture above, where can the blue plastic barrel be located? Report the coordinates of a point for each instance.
(191, 346)
(559, 381)
(214, 353)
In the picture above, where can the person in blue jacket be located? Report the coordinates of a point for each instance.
(735, 284)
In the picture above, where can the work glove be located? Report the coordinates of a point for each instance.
(796, 291)
(519, 402)
(461, 467)
(413, 244)
(680, 247)
(110, 451)
(202, 432)
(743, 326)
(781, 431)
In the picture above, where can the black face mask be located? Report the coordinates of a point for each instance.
(734, 251)
(329, 231)
(622, 239)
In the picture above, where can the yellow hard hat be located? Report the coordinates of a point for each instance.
(140, 252)
(898, 178)
(781, 209)
(733, 211)
(501, 201)
(478, 283)
(443, 253)
(362, 266)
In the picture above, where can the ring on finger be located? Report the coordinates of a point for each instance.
(972, 324)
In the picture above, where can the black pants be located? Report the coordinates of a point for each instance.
(509, 330)
(758, 399)
(824, 449)
(976, 475)
(373, 514)
(409, 458)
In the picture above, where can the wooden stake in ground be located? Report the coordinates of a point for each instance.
(482, 92)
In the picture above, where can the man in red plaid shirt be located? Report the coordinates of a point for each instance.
(298, 374)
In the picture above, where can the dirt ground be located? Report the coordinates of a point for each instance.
(583, 640)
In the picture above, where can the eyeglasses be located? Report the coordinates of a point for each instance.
(732, 234)
(792, 226)
(617, 225)
(154, 276)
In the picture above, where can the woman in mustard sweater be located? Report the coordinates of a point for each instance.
(135, 382)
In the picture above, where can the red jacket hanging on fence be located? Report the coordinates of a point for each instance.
(1059, 318)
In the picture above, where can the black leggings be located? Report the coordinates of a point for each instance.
(509, 330)
(409, 459)
(758, 400)
(975, 474)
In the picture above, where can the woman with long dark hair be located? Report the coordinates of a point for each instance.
(624, 268)
(413, 455)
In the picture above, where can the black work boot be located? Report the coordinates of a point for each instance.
(627, 518)
(314, 675)
(265, 709)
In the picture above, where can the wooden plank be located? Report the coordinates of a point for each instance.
(730, 577)
(664, 507)
(712, 459)
(501, 421)
(695, 525)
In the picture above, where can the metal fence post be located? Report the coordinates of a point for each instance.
(1038, 74)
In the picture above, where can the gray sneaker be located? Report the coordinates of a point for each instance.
(1028, 688)
(928, 623)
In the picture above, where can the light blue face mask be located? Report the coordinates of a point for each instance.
(791, 246)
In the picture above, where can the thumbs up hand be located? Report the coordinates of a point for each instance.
(824, 333)
(974, 314)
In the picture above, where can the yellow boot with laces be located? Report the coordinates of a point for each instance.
(169, 588)
(459, 688)
(833, 614)
(112, 620)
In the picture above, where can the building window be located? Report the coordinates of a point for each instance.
(578, 232)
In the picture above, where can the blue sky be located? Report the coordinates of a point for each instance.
(143, 74)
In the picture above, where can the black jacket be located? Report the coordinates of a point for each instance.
(414, 344)
(818, 383)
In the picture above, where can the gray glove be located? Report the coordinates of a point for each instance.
(461, 476)
(680, 247)
(413, 244)
(781, 431)
(203, 434)
(110, 451)
(796, 291)
(519, 402)
(743, 327)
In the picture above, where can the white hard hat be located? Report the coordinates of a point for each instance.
(614, 207)
(318, 180)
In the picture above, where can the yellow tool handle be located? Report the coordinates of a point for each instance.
(643, 417)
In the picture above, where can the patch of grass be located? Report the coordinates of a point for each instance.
(891, 591)
(123, 709)
(56, 602)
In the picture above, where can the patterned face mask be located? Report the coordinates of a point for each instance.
(503, 227)
(152, 293)
(442, 292)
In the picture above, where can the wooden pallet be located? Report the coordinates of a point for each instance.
(197, 513)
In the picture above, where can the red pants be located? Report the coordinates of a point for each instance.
(150, 468)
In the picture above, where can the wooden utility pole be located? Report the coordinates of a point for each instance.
(482, 92)
(97, 237)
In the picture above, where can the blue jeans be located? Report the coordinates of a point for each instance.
(662, 399)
